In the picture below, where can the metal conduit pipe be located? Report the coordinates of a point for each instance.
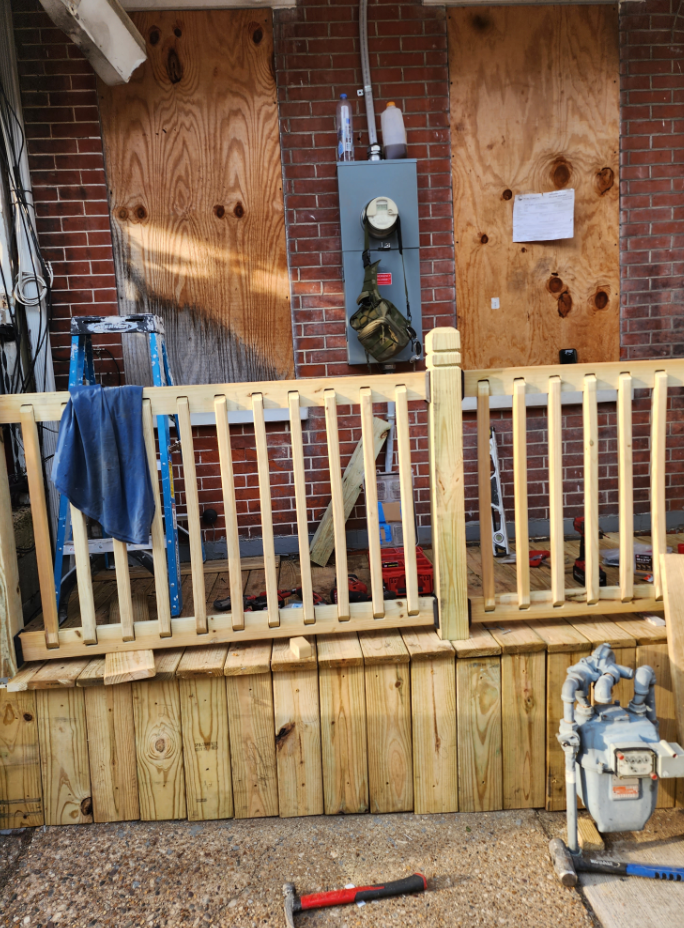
(373, 147)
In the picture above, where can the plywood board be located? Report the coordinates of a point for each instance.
(523, 702)
(111, 747)
(192, 154)
(159, 750)
(252, 742)
(64, 756)
(478, 700)
(535, 107)
(21, 802)
(206, 750)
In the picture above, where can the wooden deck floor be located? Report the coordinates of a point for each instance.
(253, 578)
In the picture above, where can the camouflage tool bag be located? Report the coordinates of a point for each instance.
(381, 329)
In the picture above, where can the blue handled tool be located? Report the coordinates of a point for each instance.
(567, 866)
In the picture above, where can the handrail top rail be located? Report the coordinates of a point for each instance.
(501, 381)
(48, 407)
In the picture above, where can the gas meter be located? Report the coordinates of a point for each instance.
(614, 756)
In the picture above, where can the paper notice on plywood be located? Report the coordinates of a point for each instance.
(544, 217)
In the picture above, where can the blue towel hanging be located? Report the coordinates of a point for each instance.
(100, 464)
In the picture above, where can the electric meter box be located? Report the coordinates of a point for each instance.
(359, 183)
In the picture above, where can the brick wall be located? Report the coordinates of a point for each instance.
(67, 171)
(317, 58)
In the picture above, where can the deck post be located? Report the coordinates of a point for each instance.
(445, 441)
(11, 617)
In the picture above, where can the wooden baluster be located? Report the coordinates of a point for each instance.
(658, 442)
(557, 536)
(625, 487)
(161, 574)
(371, 494)
(123, 588)
(339, 523)
(41, 527)
(192, 505)
(299, 475)
(522, 531)
(591, 513)
(86, 600)
(408, 515)
(484, 483)
(11, 615)
(237, 613)
(266, 511)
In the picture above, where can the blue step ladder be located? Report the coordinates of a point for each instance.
(82, 370)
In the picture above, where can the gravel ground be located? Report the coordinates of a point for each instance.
(483, 870)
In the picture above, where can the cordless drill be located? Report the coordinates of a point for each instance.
(578, 568)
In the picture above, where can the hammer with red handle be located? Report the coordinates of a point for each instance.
(294, 904)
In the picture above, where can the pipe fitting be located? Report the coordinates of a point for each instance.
(643, 701)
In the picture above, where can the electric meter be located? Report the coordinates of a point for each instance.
(382, 215)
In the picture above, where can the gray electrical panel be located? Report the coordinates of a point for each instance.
(359, 182)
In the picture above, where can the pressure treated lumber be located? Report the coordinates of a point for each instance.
(251, 726)
(516, 128)
(478, 701)
(591, 489)
(322, 544)
(658, 454)
(21, 803)
(111, 753)
(297, 729)
(199, 595)
(589, 837)
(408, 516)
(166, 663)
(556, 539)
(19, 682)
(64, 756)
(484, 492)
(226, 319)
(221, 630)
(445, 434)
(58, 674)
(371, 501)
(522, 529)
(207, 661)
(11, 613)
(433, 721)
(159, 750)
(672, 569)
(388, 715)
(523, 708)
(41, 528)
(206, 749)
(127, 666)
(299, 481)
(343, 723)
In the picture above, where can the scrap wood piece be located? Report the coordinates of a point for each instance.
(590, 839)
(126, 666)
(300, 647)
(672, 571)
(352, 479)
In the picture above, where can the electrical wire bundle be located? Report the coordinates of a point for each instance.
(33, 284)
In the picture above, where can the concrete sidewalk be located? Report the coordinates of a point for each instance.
(483, 869)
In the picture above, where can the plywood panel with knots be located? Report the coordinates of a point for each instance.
(535, 108)
(193, 165)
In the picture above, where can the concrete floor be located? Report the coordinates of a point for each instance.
(483, 870)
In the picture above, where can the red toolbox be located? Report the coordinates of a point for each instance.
(394, 572)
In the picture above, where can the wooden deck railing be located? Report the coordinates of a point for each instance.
(202, 628)
(588, 380)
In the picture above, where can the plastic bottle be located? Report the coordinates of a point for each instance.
(345, 130)
(393, 132)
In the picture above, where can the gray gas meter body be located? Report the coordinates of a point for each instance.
(359, 183)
